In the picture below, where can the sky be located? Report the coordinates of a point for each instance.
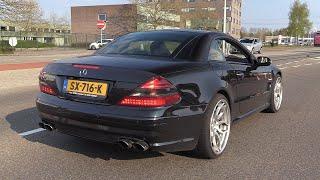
(271, 14)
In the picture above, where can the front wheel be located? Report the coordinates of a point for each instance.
(215, 133)
(276, 96)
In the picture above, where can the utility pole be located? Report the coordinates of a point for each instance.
(224, 25)
(225, 17)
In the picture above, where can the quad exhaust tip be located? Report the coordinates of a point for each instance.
(141, 145)
(128, 144)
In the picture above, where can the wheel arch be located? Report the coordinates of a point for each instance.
(225, 94)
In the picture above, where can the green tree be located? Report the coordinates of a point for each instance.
(299, 23)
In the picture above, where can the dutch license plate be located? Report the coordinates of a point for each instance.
(86, 88)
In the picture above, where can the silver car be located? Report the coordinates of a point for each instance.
(253, 44)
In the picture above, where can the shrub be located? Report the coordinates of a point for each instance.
(5, 48)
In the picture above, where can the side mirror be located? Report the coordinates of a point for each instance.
(263, 61)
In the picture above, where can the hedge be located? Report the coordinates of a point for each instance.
(33, 44)
(5, 48)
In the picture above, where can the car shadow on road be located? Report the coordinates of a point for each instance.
(27, 120)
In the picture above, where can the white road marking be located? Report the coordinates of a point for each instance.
(318, 63)
(283, 68)
(296, 66)
(296, 61)
(308, 64)
(31, 132)
(289, 62)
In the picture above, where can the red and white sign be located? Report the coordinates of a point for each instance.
(101, 24)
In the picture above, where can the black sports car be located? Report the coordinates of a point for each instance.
(168, 90)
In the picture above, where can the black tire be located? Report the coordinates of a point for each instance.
(204, 148)
(272, 108)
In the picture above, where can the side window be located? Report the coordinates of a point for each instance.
(216, 51)
(233, 53)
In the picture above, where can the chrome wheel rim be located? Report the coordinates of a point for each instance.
(278, 92)
(220, 126)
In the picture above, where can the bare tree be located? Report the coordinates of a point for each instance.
(26, 15)
(203, 19)
(153, 14)
(6, 8)
(124, 20)
(58, 22)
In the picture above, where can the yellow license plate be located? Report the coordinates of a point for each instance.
(87, 88)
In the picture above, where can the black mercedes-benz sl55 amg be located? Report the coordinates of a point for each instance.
(167, 90)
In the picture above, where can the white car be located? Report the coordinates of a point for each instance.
(252, 44)
(98, 44)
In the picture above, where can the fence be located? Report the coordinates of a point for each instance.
(45, 40)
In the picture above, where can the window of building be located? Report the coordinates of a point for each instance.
(3, 28)
(188, 9)
(102, 17)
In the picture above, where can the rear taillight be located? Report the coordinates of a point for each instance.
(45, 80)
(47, 89)
(157, 92)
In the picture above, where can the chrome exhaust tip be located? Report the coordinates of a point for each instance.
(126, 143)
(49, 127)
(46, 126)
(141, 145)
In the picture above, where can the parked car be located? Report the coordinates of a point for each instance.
(98, 44)
(254, 45)
(168, 90)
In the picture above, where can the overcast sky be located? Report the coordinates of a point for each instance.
(256, 13)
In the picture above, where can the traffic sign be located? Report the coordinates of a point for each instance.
(101, 24)
(13, 41)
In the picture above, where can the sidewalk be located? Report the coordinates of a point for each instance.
(18, 66)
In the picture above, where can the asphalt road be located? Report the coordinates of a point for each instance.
(285, 145)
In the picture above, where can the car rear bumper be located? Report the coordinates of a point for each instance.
(164, 129)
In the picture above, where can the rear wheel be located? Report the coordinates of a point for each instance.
(93, 47)
(276, 96)
(215, 133)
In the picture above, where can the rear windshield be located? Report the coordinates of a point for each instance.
(246, 41)
(159, 44)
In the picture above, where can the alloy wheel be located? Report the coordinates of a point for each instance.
(278, 92)
(220, 126)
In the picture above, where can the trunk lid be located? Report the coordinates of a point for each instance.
(122, 74)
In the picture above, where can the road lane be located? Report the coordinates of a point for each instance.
(279, 146)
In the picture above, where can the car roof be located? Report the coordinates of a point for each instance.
(189, 31)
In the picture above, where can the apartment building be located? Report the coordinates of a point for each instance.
(193, 14)
(208, 14)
